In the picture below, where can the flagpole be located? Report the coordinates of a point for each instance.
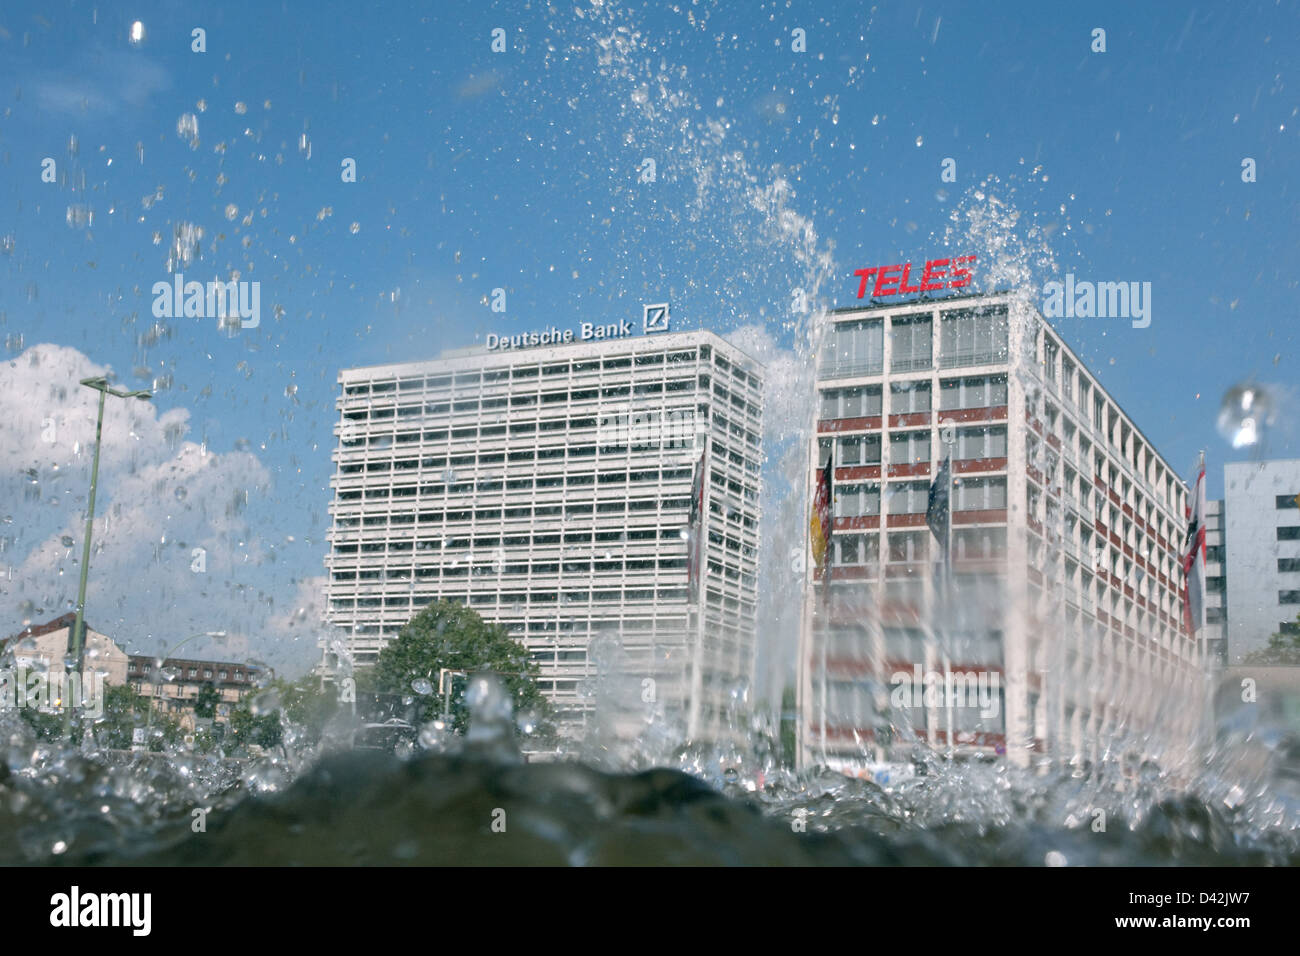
(701, 570)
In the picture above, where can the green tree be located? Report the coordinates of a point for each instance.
(1283, 650)
(247, 728)
(205, 704)
(449, 635)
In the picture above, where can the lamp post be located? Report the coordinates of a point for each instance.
(77, 639)
(162, 661)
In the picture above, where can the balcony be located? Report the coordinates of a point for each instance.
(852, 369)
(964, 358)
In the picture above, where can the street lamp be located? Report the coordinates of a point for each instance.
(162, 661)
(77, 639)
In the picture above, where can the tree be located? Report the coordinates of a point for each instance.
(205, 704)
(1283, 650)
(447, 635)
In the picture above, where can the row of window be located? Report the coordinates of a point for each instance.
(908, 397)
(966, 337)
(857, 499)
(912, 546)
(914, 447)
(468, 377)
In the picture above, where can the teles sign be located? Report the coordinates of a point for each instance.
(897, 280)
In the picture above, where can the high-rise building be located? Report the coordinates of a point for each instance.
(549, 489)
(1262, 556)
(1061, 620)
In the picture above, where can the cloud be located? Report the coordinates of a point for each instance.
(175, 547)
(100, 82)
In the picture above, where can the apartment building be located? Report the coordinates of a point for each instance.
(548, 487)
(1064, 603)
(174, 687)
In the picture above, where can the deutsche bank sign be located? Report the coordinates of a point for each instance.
(654, 319)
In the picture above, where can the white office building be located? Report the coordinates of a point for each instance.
(1065, 608)
(548, 488)
(1262, 557)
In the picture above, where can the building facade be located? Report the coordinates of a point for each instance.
(1262, 539)
(1063, 608)
(1216, 584)
(174, 687)
(549, 489)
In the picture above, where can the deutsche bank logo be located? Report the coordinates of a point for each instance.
(655, 318)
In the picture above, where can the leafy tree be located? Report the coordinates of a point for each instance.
(449, 635)
(205, 704)
(248, 728)
(1283, 650)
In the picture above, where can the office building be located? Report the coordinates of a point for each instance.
(546, 483)
(1262, 552)
(1064, 608)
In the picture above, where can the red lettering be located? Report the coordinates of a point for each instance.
(962, 274)
(903, 286)
(879, 289)
(935, 269)
(866, 274)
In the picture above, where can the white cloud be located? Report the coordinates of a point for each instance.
(173, 549)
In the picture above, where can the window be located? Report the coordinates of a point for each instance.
(908, 397)
(855, 348)
(1050, 352)
(1067, 378)
(852, 501)
(982, 442)
(910, 341)
(858, 549)
(975, 543)
(1288, 501)
(860, 450)
(909, 497)
(1288, 597)
(973, 392)
(851, 402)
(1288, 533)
(1284, 564)
(981, 494)
(909, 448)
(973, 337)
(908, 546)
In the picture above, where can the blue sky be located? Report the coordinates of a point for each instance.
(519, 170)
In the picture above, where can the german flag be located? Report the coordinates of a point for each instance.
(820, 524)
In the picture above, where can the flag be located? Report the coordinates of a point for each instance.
(819, 526)
(1194, 557)
(938, 512)
(694, 525)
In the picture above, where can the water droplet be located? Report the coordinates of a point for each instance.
(232, 211)
(137, 34)
(187, 128)
(67, 540)
(354, 228)
(422, 687)
(1245, 414)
